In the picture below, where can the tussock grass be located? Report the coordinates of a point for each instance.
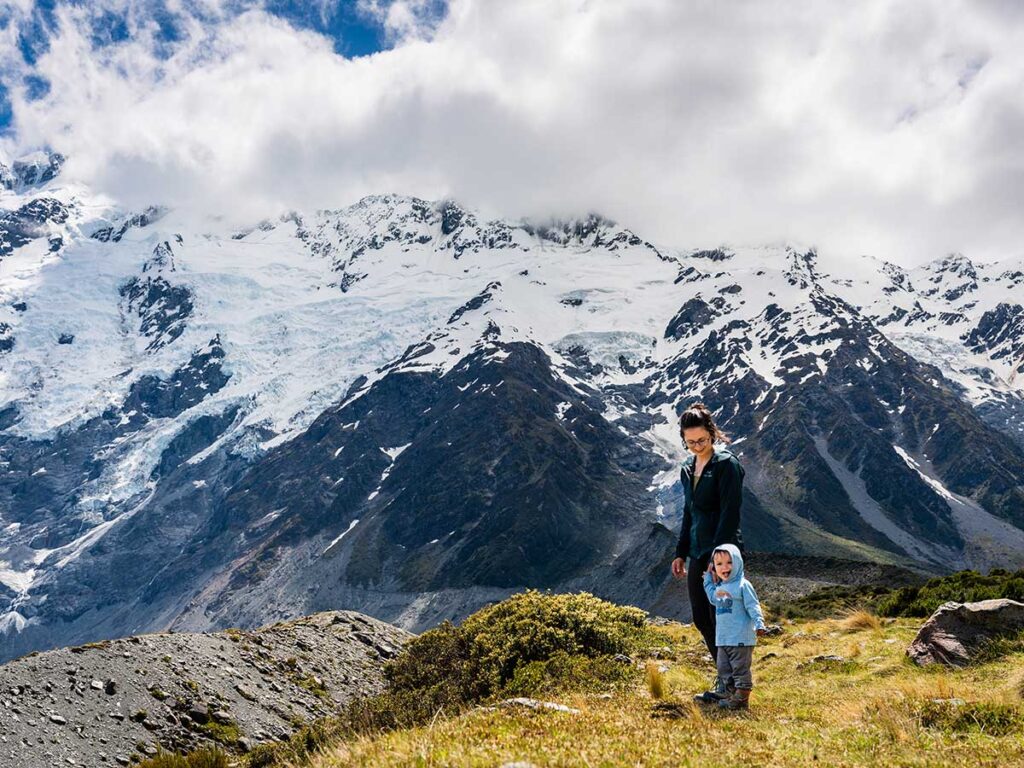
(858, 620)
(1016, 690)
(655, 681)
(955, 715)
(204, 758)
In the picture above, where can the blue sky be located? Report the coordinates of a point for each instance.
(353, 31)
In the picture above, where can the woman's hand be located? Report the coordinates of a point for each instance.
(679, 568)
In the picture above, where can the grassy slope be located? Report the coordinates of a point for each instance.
(865, 713)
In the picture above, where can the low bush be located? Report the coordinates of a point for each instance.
(961, 587)
(916, 601)
(523, 645)
(563, 671)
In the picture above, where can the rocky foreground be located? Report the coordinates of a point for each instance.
(112, 702)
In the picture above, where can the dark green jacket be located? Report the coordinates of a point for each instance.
(711, 511)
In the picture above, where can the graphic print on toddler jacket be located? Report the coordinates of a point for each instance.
(723, 601)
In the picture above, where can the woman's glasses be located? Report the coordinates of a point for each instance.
(697, 443)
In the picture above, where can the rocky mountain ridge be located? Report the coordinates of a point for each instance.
(403, 408)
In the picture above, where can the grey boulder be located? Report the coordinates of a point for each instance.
(956, 633)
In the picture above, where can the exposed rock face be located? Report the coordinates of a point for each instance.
(111, 702)
(30, 221)
(1000, 332)
(156, 307)
(31, 171)
(404, 409)
(957, 631)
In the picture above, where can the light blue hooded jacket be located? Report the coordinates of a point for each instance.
(737, 609)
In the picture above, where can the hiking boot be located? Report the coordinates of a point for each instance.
(719, 693)
(740, 699)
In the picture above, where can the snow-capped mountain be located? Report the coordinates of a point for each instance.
(30, 171)
(403, 408)
(964, 318)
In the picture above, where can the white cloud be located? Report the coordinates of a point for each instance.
(893, 128)
(404, 19)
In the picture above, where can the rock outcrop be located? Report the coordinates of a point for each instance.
(957, 632)
(111, 702)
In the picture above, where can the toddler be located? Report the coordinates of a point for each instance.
(738, 622)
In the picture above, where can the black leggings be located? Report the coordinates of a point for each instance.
(702, 609)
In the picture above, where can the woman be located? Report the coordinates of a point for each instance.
(712, 492)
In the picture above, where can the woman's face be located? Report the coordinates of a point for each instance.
(698, 440)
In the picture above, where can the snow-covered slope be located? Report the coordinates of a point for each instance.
(964, 318)
(188, 411)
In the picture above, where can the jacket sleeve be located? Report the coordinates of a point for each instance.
(752, 605)
(730, 495)
(710, 587)
(683, 545)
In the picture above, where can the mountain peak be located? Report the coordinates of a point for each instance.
(954, 263)
(31, 170)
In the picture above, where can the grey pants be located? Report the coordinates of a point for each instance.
(734, 662)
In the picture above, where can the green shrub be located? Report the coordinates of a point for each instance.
(532, 626)
(961, 587)
(530, 638)
(916, 601)
(564, 671)
(437, 664)
(225, 733)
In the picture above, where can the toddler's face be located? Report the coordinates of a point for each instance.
(723, 565)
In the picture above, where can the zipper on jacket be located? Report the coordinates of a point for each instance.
(693, 485)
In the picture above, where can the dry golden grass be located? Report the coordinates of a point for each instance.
(855, 621)
(655, 681)
(862, 713)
